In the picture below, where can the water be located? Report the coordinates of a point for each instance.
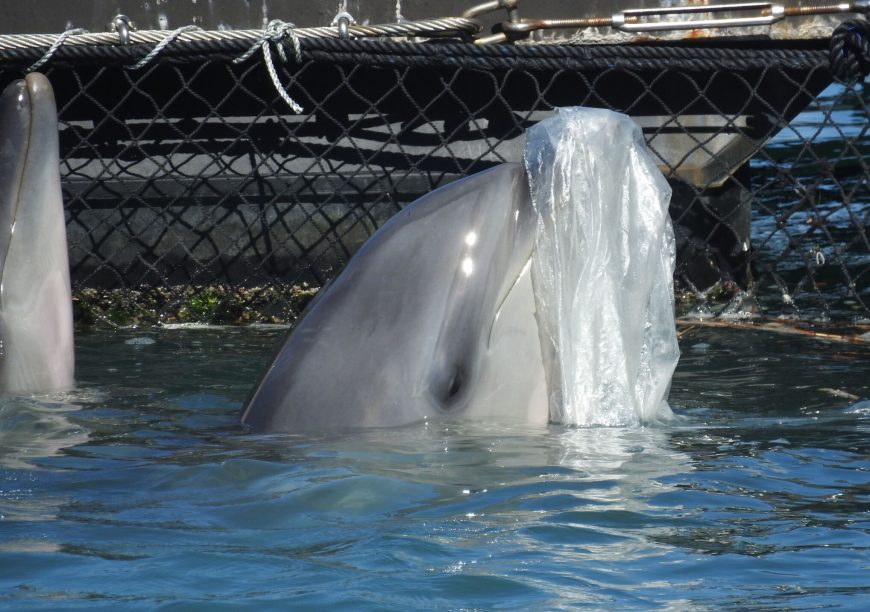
(140, 490)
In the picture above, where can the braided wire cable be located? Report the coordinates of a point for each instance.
(447, 26)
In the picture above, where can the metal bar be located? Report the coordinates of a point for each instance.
(492, 6)
(632, 20)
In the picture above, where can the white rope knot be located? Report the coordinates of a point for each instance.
(280, 30)
(57, 44)
(276, 32)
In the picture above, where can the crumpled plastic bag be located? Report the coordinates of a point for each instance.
(602, 270)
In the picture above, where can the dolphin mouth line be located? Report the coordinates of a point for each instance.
(504, 298)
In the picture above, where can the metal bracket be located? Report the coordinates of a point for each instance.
(344, 20)
(512, 7)
(123, 26)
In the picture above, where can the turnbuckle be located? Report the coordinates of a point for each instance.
(634, 20)
(655, 19)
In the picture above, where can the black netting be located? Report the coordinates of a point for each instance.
(194, 193)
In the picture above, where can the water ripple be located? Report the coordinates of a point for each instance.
(144, 494)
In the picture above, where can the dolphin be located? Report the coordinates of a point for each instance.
(36, 336)
(433, 317)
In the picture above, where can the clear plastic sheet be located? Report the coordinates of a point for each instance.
(602, 269)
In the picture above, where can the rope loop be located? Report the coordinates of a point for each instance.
(276, 32)
(850, 50)
(159, 47)
(57, 44)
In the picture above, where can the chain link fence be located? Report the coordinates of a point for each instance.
(194, 193)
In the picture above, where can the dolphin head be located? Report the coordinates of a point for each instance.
(433, 317)
(36, 346)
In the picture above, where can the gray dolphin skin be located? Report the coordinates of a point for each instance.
(433, 317)
(36, 337)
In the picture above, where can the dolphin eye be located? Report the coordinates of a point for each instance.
(449, 386)
(455, 385)
(455, 388)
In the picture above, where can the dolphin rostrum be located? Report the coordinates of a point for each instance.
(36, 337)
(434, 316)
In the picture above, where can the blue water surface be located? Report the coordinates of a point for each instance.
(140, 490)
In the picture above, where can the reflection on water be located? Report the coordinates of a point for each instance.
(35, 427)
(143, 491)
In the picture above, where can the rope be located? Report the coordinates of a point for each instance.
(850, 51)
(558, 57)
(393, 53)
(54, 47)
(163, 44)
(276, 32)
